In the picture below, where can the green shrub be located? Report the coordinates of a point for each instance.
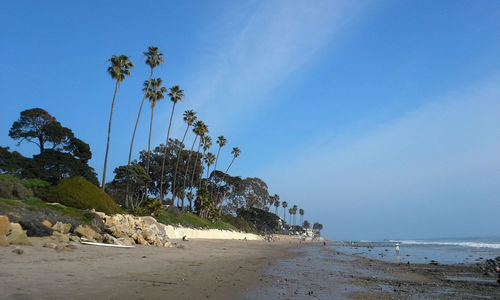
(79, 193)
(11, 187)
(240, 223)
(39, 187)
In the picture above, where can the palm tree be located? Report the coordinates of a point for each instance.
(301, 213)
(198, 128)
(153, 59)
(236, 152)
(154, 93)
(209, 160)
(284, 204)
(276, 203)
(189, 118)
(294, 211)
(221, 140)
(118, 69)
(207, 143)
(290, 212)
(176, 94)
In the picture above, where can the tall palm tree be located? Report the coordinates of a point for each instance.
(236, 152)
(209, 160)
(153, 60)
(221, 140)
(154, 93)
(207, 143)
(290, 212)
(118, 69)
(189, 118)
(301, 213)
(175, 95)
(294, 211)
(276, 203)
(285, 205)
(197, 131)
(202, 131)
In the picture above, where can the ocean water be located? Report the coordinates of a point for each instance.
(444, 251)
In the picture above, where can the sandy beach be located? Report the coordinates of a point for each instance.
(202, 269)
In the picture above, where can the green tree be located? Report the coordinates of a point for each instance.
(221, 140)
(189, 118)
(209, 160)
(301, 212)
(236, 152)
(306, 224)
(294, 212)
(276, 202)
(119, 69)
(198, 128)
(134, 177)
(285, 205)
(175, 95)
(153, 60)
(290, 212)
(154, 93)
(37, 126)
(207, 143)
(201, 131)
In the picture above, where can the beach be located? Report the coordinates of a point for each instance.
(197, 269)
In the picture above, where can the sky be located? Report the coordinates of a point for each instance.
(381, 119)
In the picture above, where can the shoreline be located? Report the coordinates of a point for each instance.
(198, 269)
(324, 273)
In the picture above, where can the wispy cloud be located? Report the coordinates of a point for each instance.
(253, 49)
(433, 171)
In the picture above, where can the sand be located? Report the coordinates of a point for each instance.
(203, 269)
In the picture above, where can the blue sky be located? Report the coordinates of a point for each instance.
(381, 119)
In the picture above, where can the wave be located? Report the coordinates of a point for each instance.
(447, 243)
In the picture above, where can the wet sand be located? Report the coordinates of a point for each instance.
(203, 269)
(322, 273)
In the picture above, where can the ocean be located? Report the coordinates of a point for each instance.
(443, 251)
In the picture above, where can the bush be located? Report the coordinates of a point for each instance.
(79, 193)
(39, 187)
(240, 223)
(264, 221)
(11, 187)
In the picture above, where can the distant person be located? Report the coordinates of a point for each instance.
(498, 272)
(397, 247)
(324, 243)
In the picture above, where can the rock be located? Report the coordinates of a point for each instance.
(18, 238)
(3, 241)
(74, 238)
(47, 223)
(62, 227)
(34, 227)
(85, 231)
(59, 237)
(109, 239)
(18, 250)
(15, 227)
(168, 245)
(4, 225)
(142, 241)
(126, 241)
(40, 241)
(50, 245)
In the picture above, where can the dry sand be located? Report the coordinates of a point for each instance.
(203, 269)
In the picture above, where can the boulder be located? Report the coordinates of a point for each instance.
(4, 225)
(62, 227)
(34, 227)
(142, 241)
(109, 239)
(74, 238)
(59, 237)
(15, 227)
(126, 241)
(47, 223)
(18, 250)
(85, 231)
(3, 240)
(18, 238)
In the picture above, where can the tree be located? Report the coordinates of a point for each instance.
(209, 160)
(207, 143)
(175, 95)
(276, 202)
(154, 93)
(197, 131)
(294, 211)
(37, 126)
(134, 177)
(79, 149)
(290, 212)
(221, 140)
(284, 204)
(53, 165)
(201, 131)
(189, 118)
(301, 212)
(153, 60)
(118, 69)
(317, 226)
(236, 152)
(306, 224)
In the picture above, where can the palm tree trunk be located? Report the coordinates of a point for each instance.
(177, 164)
(149, 141)
(109, 135)
(127, 196)
(194, 166)
(217, 158)
(187, 166)
(284, 220)
(165, 154)
(201, 175)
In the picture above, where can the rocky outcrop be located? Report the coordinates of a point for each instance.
(88, 233)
